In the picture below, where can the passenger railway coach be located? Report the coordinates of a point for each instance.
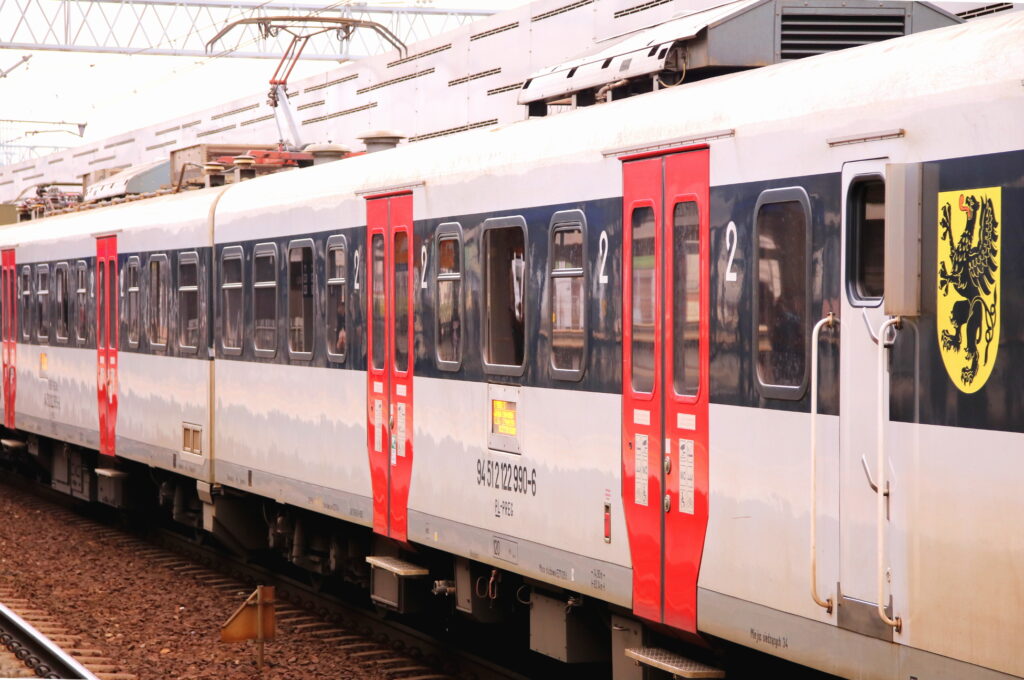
(740, 360)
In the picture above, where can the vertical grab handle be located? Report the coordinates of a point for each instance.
(896, 623)
(829, 321)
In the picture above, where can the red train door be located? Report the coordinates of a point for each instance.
(9, 327)
(665, 380)
(389, 278)
(107, 335)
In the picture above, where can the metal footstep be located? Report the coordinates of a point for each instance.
(396, 566)
(670, 662)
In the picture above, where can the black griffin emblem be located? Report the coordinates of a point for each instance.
(972, 276)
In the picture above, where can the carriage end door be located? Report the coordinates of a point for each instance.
(107, 335)
(389, 277)
(9, 304)
(861, 389)
(665, 380)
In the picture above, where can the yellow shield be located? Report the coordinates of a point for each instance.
(967, 314)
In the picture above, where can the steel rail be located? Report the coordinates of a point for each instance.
(36, 651)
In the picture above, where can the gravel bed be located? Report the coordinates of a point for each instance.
(11, 667)
(155, 622)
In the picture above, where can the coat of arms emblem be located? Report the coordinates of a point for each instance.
(967, 313)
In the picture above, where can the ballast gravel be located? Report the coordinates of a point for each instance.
(154, 622)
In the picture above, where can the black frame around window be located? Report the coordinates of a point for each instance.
(42, 315)
(568, 221)
(302, 287)
(232, 321)
(795, 389)
(133, 301)
(488, 228)
(855, 239)
(25, 290)
(157, 317)
(263, 251)
(450, 232)
(336, 298)
(61, 302)
(189, 259)
(81, 302)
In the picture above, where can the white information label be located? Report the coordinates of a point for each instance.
(394, 448)
(400, 429)
(686, 476)
(686, 421)
(641, 416)
(378, 419)
(640, 490)
(378, 386)
(400, 390)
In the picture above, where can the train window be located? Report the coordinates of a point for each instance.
(782, 308)
(101, 331)
(643, 300)
(686, 298)
(504, 250)
(865, 246)
(156, 305)
(301, 284)
(112, 301)
(231, 300)
(378, 308)
(42, 302)
(448, 325)
(134, 313)
(402, 272)
(188, 302)
(61, 302)
(26, 307)
(81, 302)
(337, 298)
(264, 299)
(568, 294)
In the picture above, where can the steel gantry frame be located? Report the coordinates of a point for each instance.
(183, 27)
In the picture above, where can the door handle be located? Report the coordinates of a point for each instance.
(872, 484)
(871, 331)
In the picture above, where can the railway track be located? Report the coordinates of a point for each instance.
(391, 650)
(328, 628)
(46, 647)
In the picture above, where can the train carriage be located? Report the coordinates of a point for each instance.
(740, 359)
(109, 303)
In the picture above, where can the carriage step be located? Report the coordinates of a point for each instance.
(394, 583)
(676, 664)
(396, 566)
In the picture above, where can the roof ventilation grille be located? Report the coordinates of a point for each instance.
(808, 34)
